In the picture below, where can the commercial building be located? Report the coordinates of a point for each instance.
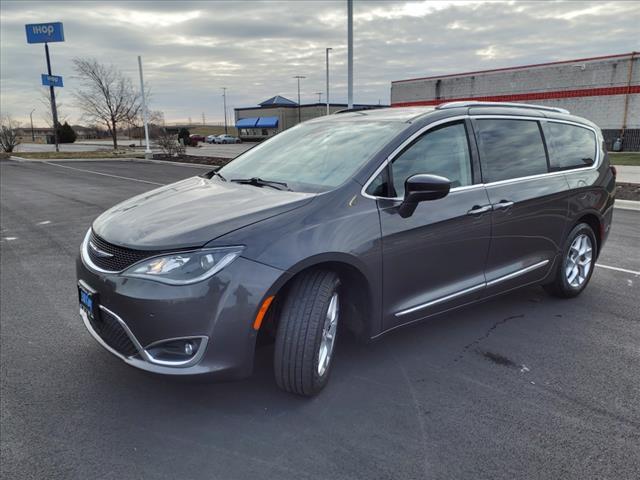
(279, 113)
(605, 90)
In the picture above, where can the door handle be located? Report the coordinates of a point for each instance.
(477, 209)
(503, 205)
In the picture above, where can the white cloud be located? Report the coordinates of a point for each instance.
(192, 49)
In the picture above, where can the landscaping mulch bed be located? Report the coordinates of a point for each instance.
(214, 161)
(628, 191)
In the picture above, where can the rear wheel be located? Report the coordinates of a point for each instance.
(306, 335)
(577, 263)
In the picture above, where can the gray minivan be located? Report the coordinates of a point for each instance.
(366, 221)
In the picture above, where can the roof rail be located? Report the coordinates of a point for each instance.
(444, 106)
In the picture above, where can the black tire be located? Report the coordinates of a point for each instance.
(300, 327)
(560, 286)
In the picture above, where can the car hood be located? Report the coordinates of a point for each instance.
(191, 213)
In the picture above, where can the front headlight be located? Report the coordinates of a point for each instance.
(183, 268)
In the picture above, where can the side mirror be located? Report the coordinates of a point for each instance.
(421, 188)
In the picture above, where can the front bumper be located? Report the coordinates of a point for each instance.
(219, 310)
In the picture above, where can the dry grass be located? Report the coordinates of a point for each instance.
(89, 154)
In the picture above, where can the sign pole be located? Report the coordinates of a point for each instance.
(147, 152)
(52, 94)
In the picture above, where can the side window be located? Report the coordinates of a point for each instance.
(570, 146)
(510, 149)
(444, 151)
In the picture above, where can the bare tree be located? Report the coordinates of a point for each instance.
(8, 134)
(106, 95)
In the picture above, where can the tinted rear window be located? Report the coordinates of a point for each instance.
(510, 149)
(570, 146)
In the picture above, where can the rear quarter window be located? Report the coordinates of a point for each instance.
(510, 148)
(570, 146)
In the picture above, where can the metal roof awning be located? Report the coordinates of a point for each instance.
(247, 122)
(267, 122)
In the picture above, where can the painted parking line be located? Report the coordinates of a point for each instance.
(617, 269)
(104, 174)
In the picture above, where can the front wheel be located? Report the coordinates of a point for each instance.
(306, 335)
(577, 263)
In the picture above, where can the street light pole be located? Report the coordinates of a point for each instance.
(350, 53)
(224, 105)
(145, 115)
(327, 53)
(299, 77)
(33, 137)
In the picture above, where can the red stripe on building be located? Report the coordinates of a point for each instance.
(520, 97)
(519, 67)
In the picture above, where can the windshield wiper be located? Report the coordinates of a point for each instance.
(259, 182)
(213, 173)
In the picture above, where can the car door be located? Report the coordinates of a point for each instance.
(434, 259)
(529, 205)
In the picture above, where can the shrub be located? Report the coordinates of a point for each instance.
(66, 134)
(170, 145)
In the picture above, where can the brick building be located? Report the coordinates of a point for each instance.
(605, 90)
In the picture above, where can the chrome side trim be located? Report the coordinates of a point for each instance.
(466, 291)
(441, 299)
(517, 273)
(391, 157)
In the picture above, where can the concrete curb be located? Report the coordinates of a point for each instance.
(627, 205)
(108, 159)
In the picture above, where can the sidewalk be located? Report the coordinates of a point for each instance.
(628, 174)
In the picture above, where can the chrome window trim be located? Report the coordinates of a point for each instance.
(479, 286)
(397, 151)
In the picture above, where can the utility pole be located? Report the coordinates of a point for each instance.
(319, 97)
(327, 53)
(145, 115)
(299, 77)
(350, 53)
(203, 120)
(224, 105)
(52, 94)
(33, 137)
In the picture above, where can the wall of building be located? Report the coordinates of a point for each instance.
(592, 88)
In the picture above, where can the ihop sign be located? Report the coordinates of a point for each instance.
(44, 32)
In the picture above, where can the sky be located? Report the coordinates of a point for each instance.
(191, 50)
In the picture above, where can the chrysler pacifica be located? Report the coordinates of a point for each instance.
(360, 221)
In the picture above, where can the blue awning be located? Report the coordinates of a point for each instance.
(267, 122)
(247, 122)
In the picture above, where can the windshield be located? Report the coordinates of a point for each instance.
(314, 157)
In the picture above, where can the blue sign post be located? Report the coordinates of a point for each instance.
(52, 80)
(45, 33)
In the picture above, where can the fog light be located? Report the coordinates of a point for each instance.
(174, 352)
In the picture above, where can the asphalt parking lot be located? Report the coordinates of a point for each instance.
(524, 386)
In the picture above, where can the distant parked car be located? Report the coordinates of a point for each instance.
(195, 139)
(225, 138)
(211, 139)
